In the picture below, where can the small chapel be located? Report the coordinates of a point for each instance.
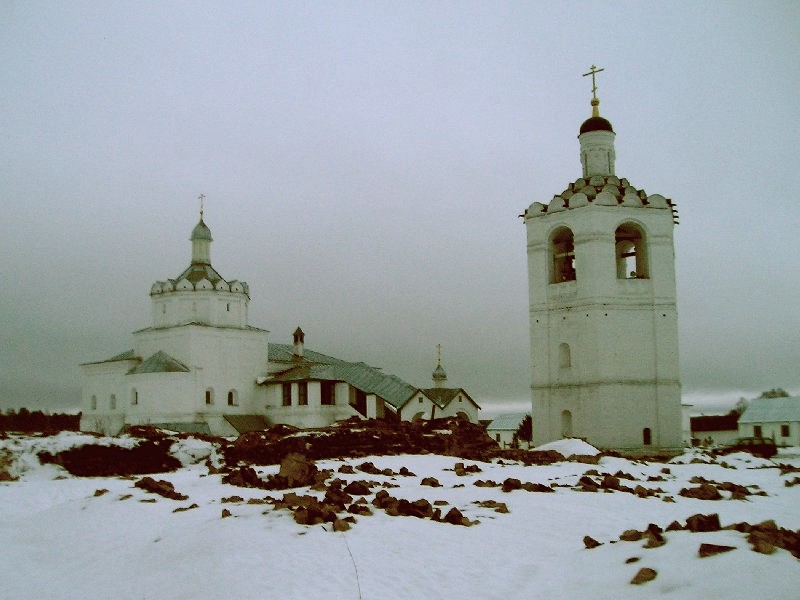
(602, 299)
(201, 367)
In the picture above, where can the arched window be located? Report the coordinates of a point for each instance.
(233, 398)
(94, 403)
(210, 396)
(134, 397)
(562, 252)
(646, 436)
(113, 402)
(462, 415)
(566, 424)
(564, 356)
(631, 253)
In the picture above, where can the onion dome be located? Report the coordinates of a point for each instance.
(596, 123)
(201, 232)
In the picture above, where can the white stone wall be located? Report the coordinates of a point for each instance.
(773, 430)
(622, 374)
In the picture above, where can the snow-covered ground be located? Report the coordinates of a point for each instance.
(60, 540)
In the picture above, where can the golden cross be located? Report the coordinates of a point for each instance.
(593, 71)
(201, 197)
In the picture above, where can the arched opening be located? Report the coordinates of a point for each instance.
(564, 356)
(134, 397)
(209, 396)
(630, 252)
(646, 436)
(462, 415)
(418, 417)
(113, 402)
(562, 252)
(233, 398)
(94, 403)
(566, 424)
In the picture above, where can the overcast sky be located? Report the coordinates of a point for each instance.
(365, 164)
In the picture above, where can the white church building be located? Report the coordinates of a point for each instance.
(603, 317)
(202, 367)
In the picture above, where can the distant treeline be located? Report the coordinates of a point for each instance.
(37, 421)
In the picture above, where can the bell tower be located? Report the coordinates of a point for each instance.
(603, 316)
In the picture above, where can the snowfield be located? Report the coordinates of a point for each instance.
(61, 538)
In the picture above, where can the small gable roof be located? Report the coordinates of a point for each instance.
(727, 422)
(321, 367)
(507, 422)
(772, 410)
(441, 397)
(160, 362)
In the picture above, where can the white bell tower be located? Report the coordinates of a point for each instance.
(603, 317)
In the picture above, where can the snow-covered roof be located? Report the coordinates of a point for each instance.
(507, 422)
(772, 410)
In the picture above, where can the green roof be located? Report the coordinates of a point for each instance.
(245, 423)
(160, 362)
(317, 366)
(772, 410)
(196, 427)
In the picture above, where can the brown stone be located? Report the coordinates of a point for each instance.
(297, 470)
(357, 488)
(590, 542)
(430, 481)
(705, 491)
(225, 513)
(341, 525)
(160, 487)
(630, 535)
(700, 523)
(511, 484)
(644, 575)
(712, 549)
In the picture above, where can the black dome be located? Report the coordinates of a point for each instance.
(596, 124)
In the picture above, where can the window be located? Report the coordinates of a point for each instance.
(630, 250)
(233, 398)
(784, 431)
(757, 430)
(286, 393)
(327, 393)
(562, 250)
(420, 399)
(209, 396)
(113, 402)
(134, 397)
(564, 356)
(497, 437)
(646, 436)
(566, 424)
(228, 307)
(94, 402)
(163, 309)
(302, 393)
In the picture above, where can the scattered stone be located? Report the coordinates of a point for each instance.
(590, 542)
(705, 491)
(160, 487)
(487, 483)
(100, 492)
(341, 525)
(297, 470)
(225, 513)
(512, 484)
(675, 526)
(184, 508)
(494, 505)
(357, 488)
(454, 517)
(405, 472)
(712, 549)
(347, 469)
(125, 497)
(368, 467)
(630, 535)
(702, 523)
(232, 499)
(632, 559)
(644, 575)
(430, 481)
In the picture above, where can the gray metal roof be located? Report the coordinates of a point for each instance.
(245, 423)
(160, 362)
(772, 410)
(195, 427)
(317, 366)
(507, 422)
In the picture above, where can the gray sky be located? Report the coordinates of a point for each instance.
(364, 165)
